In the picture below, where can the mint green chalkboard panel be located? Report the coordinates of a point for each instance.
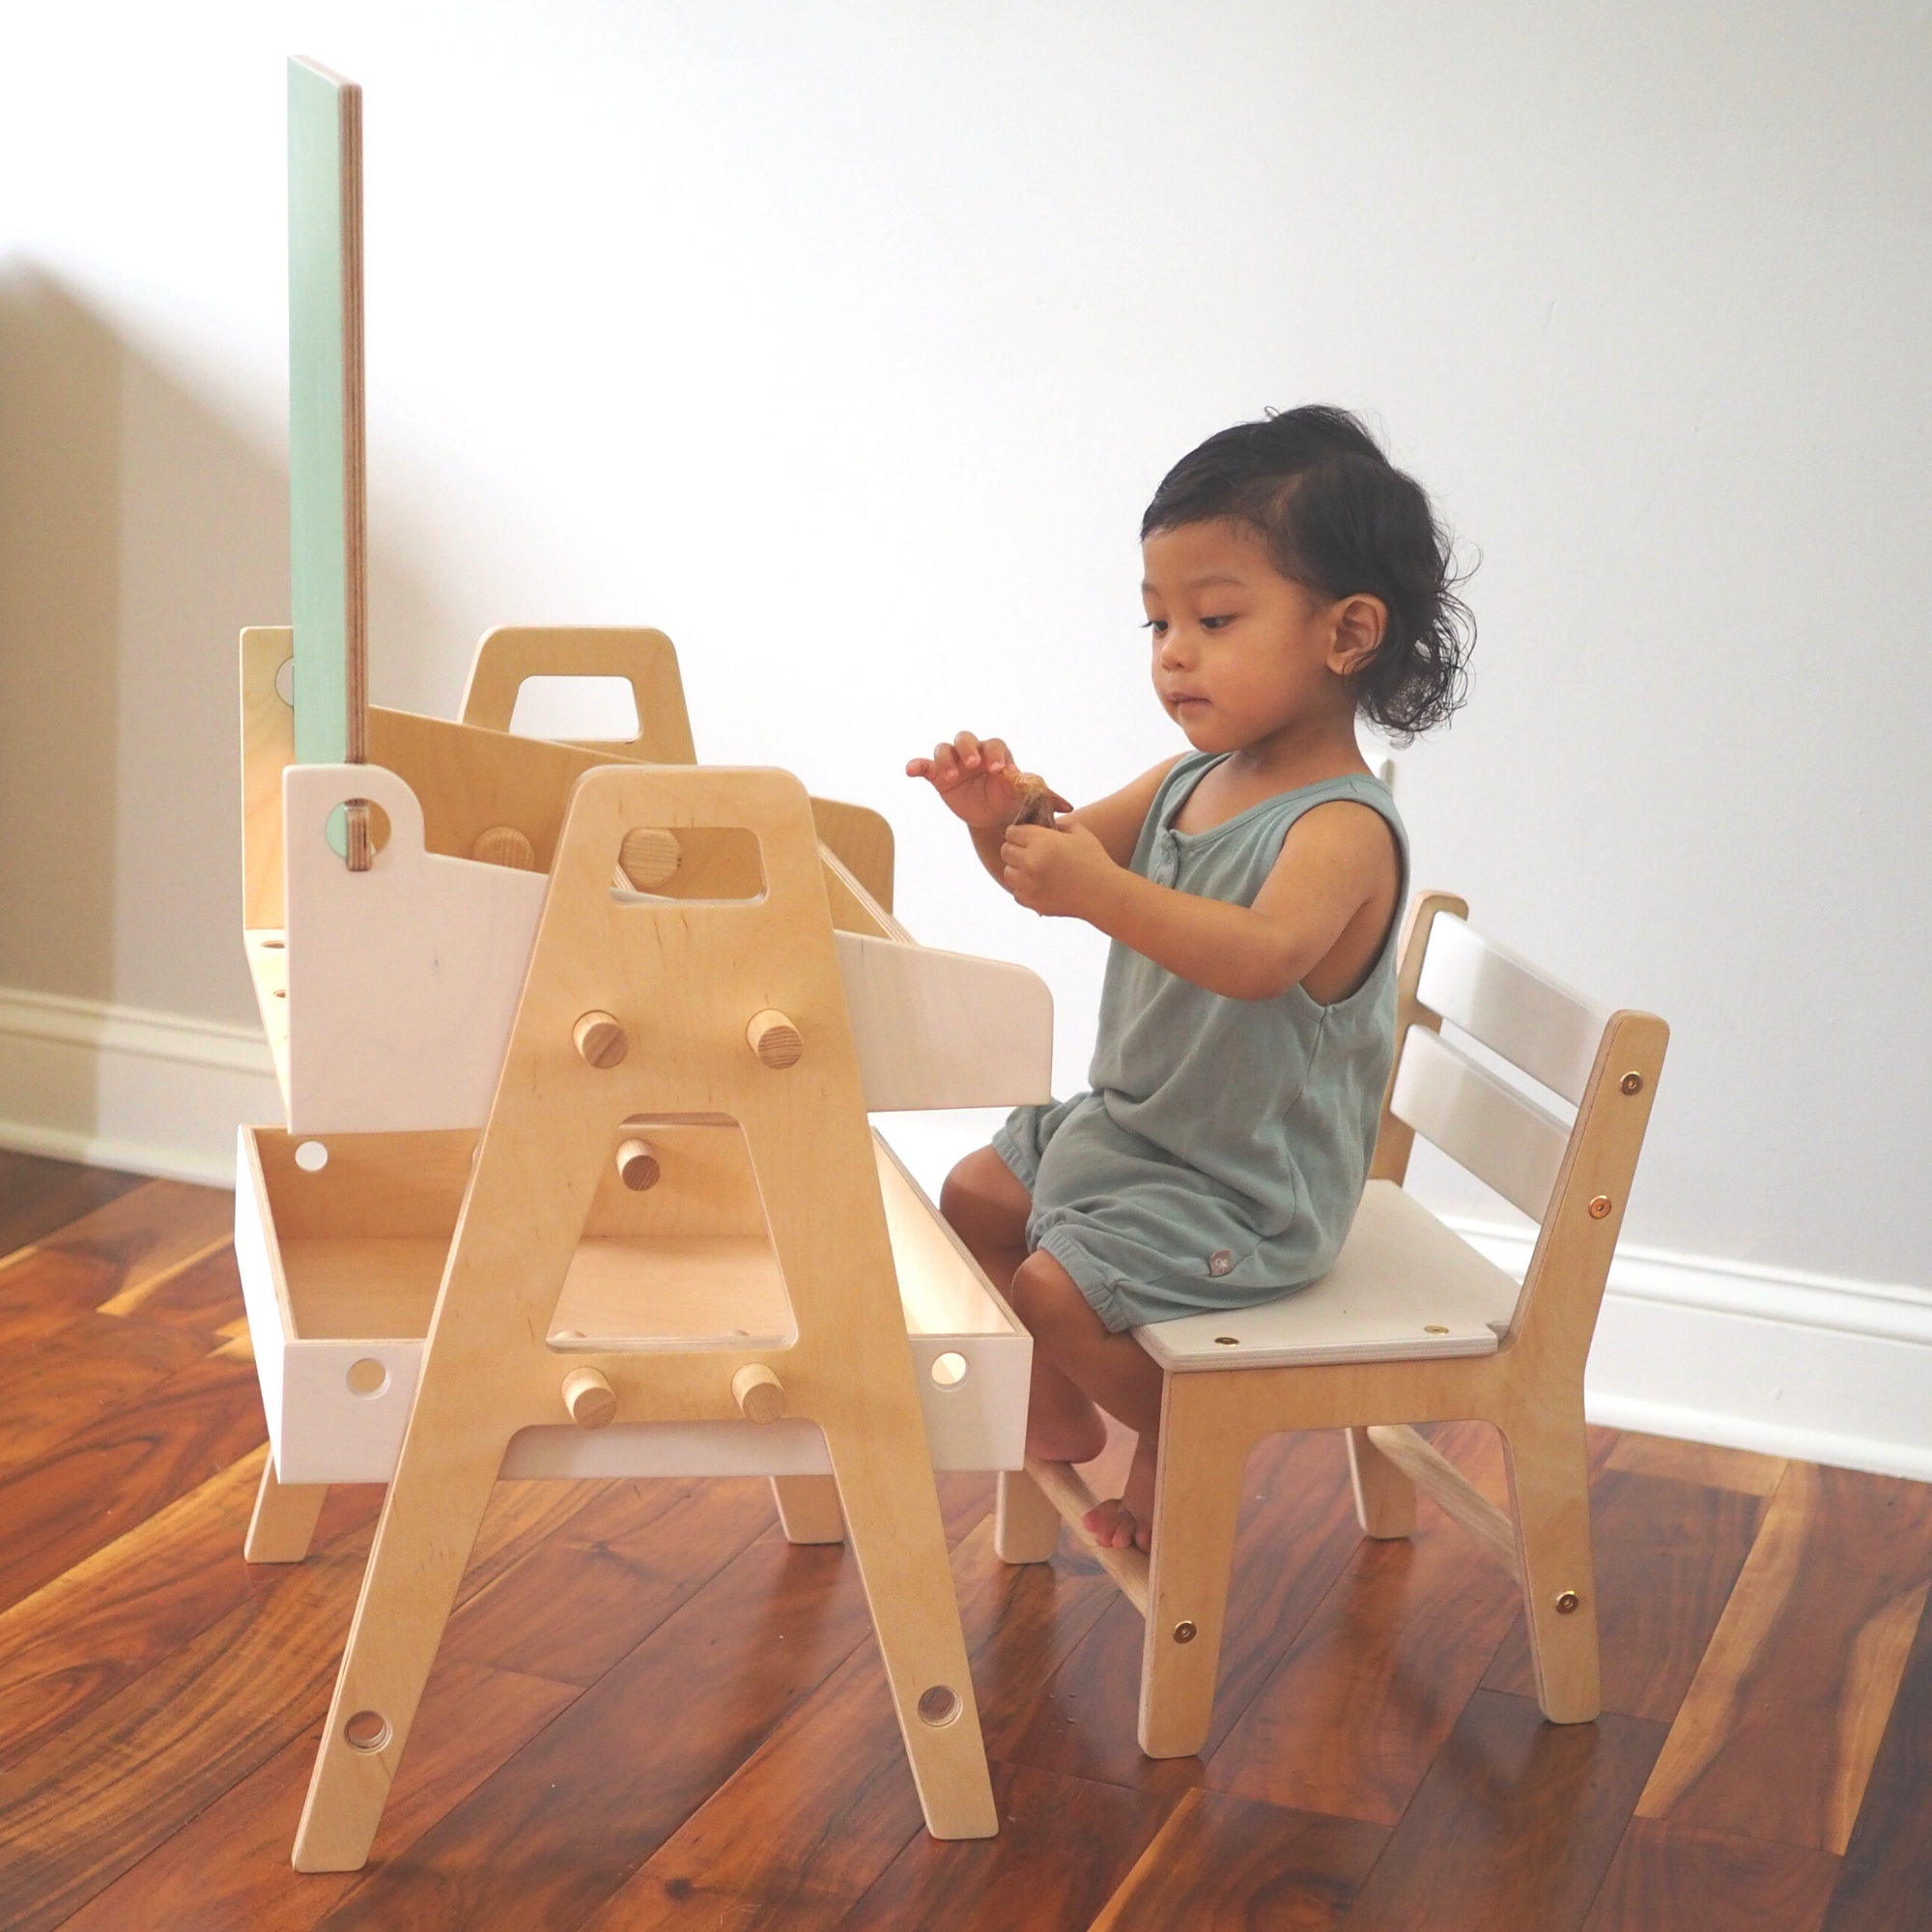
(326, 508)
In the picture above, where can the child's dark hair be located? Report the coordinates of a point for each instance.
(1339, 518)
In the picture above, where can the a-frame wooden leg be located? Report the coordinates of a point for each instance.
(1384, 1497)
(1026, 1523)
(809, 1509)
(892, 1515)
(1197, 1501)
(1549, 1489)
(284, 1518)
(428, 1528)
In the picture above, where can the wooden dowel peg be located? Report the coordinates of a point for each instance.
(504, 845)
(758, 1393)
(589, 1398)
(774, 1039)
(599, 1039)
(638, 1164)
(649, 857)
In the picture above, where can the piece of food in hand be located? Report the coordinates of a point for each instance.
(1037, 802)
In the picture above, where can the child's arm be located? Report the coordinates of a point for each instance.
(976, 776)
(1337, 863)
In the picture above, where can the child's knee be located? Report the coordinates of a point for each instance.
(1049, 1299)
(982, 1200)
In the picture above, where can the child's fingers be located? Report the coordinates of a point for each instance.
(918, 768)
(994, 752)
(967, 748)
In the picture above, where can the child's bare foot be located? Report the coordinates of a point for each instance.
(1129, 1523)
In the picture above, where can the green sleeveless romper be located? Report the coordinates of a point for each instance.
(1221, 1155)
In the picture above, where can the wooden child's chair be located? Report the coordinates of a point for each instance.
(1411, 1325)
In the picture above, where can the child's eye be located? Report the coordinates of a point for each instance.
(1157, 625)
(1215, 623)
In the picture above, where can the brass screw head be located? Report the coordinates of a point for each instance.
(1631, 1083)
(1599, 1206)
(1184, 1633)
(1568, 1603)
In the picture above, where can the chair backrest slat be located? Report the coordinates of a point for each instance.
(1515, 1008)
(1478, 1119)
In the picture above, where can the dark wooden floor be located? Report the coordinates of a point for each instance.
(649, 1711)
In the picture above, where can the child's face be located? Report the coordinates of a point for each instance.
(1242, 652)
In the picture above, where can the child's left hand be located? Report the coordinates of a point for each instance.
(1060, 871)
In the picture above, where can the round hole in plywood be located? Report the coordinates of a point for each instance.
(949, 1370)
(335, 828)
(939, 1706)
(271, 945)
(311, 1156)
(367, 1376)
(285, 681)
(367, 1732)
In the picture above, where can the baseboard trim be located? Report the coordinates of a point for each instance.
(119, 1086)
(1814, 1366)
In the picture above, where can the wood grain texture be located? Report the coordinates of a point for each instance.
(790, 1841)
(1698, 1462)
(204, 1295)
(572, 1815)
(229, 1865)
(1778, 1733)
(1065, 1845)
(1667, 1555)
(123, 1466)
(1669, 1878)
(1514, 1825)
(1886, 1881)
(148, 1234)
(38, 1196)
(1352, 1716)
(1222, 1863)
(1298, 1534)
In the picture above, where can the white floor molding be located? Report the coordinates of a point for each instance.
(1812, 1366)
(122, 1086)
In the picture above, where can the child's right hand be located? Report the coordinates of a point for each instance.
(976, 776)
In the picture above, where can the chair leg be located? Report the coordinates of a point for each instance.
(1384, 1497)
(1197, 1502)
(891, 1519)
(428, 1527)
(284, 1518)
(1549, 1490)
(809, 1509)
(1026, 1525)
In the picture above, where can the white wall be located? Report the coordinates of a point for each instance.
(847, 341)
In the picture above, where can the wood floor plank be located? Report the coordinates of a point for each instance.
(1222, 1863)
(1667, 1555)
(964, 1497)
(1669, 1878)
(1298, 1534)
(1886, 1881)
(54, 1386)
(1065, 1845)
(123, 1468)
(1514, 1825)
(104, 1791)
(77, 1639)
(609, 1577)
(1776, 1736)
(1351, 1719)
(821, 1811)
(229, 1865)
(538, 1846)
(1701, 1462)
(38, 1196)
(41, 1294)
(202, 1294)
(149, 1234)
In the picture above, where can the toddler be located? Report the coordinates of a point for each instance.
(1294, 579)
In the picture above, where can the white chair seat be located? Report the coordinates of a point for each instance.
(1404, 1287)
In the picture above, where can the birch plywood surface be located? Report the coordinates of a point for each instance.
(652, 1712)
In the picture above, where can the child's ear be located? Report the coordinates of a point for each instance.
(1360, 623)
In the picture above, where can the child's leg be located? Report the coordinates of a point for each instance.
(1112, 1370)
(987, 1207)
